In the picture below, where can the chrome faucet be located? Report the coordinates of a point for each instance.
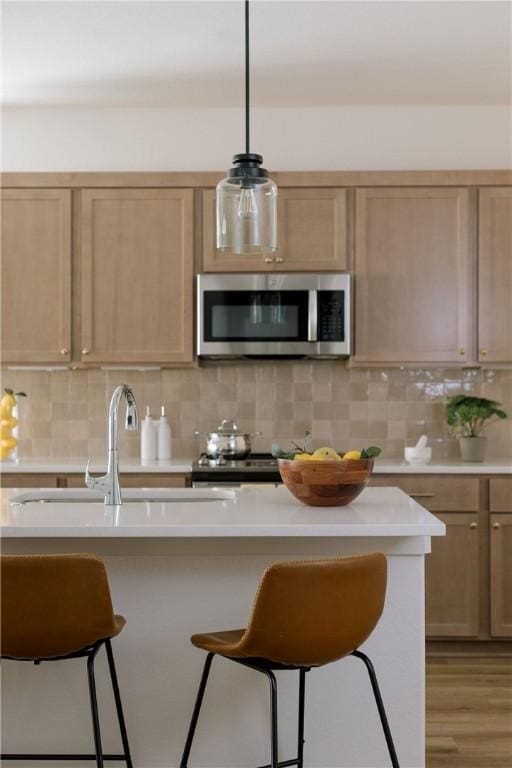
(109, 483)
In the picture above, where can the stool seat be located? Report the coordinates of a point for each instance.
(225, 643)
(308, 613)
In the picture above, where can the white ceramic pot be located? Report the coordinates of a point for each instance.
(472, 448)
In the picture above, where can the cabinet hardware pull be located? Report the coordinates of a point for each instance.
(473, 526)
(422, 495)
(462, 351)
(483, 352)
(64, 351)
(268, 260)
(85, 351)
(496, 526)
(279, 260)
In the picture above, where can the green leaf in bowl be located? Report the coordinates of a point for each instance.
(371, 453)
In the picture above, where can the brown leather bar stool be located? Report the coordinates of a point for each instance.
(306, 614)
(57, 607)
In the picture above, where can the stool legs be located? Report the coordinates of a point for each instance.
(197, 709)
(94, 707)
(98, 757)
(380, 707)
(274, 762)
(119, 706)
(302, 693)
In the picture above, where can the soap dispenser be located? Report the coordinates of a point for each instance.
(148, 438)
(164, 437)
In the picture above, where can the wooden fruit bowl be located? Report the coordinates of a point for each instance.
(326, 483)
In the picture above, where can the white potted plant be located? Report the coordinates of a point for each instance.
(467, 418)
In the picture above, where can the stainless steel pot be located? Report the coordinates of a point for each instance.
(228, 441)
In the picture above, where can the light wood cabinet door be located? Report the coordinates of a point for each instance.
(437, 493)
(501, 575)
(495, 275)
(134, 480)
(36, 275)
(452, 578)
(412, 275)
(137, 276)
(312, 230)
(312, 234)
(500, 494)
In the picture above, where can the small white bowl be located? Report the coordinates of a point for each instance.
(414, 456)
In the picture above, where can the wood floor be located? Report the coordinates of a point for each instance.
(469, 712)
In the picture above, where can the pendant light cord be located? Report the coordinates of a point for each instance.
(247, 83)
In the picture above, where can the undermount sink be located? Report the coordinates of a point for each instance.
(84, 495)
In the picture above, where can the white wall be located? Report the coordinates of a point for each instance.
(337, 138)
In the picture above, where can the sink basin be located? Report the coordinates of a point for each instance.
(84, 495)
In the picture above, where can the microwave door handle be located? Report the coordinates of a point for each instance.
(312, 316)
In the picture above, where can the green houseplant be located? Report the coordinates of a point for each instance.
(467, 418)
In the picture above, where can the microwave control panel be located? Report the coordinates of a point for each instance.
(331, 308)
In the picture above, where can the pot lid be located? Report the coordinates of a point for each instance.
(227, 427)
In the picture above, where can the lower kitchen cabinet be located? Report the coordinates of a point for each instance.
(501, 575)
(469, 571)
(74, 480)
(452, 573)
(133, 480)
(27, 480)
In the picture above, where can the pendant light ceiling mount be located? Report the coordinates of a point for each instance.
(247, 197)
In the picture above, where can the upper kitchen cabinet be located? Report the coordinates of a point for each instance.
(412, 276)
(36, 275)
(311, 232)
(137, 276)
(495, 275)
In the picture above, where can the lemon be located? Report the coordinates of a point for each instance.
(5, 452)
(5, 411)
(8, 423)
(326, 454)
(302, 457)
(352, 455)
(8, 401)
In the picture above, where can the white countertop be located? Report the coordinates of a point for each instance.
(383, 466)
(253, 512)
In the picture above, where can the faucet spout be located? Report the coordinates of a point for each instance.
(109, 483)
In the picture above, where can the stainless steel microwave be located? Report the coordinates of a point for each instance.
(274, 315)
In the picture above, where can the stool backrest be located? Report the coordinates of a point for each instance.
(309, 613)
(53, 605)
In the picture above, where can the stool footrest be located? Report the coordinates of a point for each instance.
(58, 757)
(282, 763)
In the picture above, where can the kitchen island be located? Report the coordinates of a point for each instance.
(180, 567)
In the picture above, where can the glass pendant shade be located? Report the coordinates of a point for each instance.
(247, 215)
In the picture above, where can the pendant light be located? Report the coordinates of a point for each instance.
(247, 197)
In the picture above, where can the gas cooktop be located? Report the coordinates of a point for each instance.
(258, 467)
(254, 461)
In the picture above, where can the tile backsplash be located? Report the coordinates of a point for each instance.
(65, 411)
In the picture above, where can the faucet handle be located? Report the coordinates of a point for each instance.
(92, 482)
(89, 479)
